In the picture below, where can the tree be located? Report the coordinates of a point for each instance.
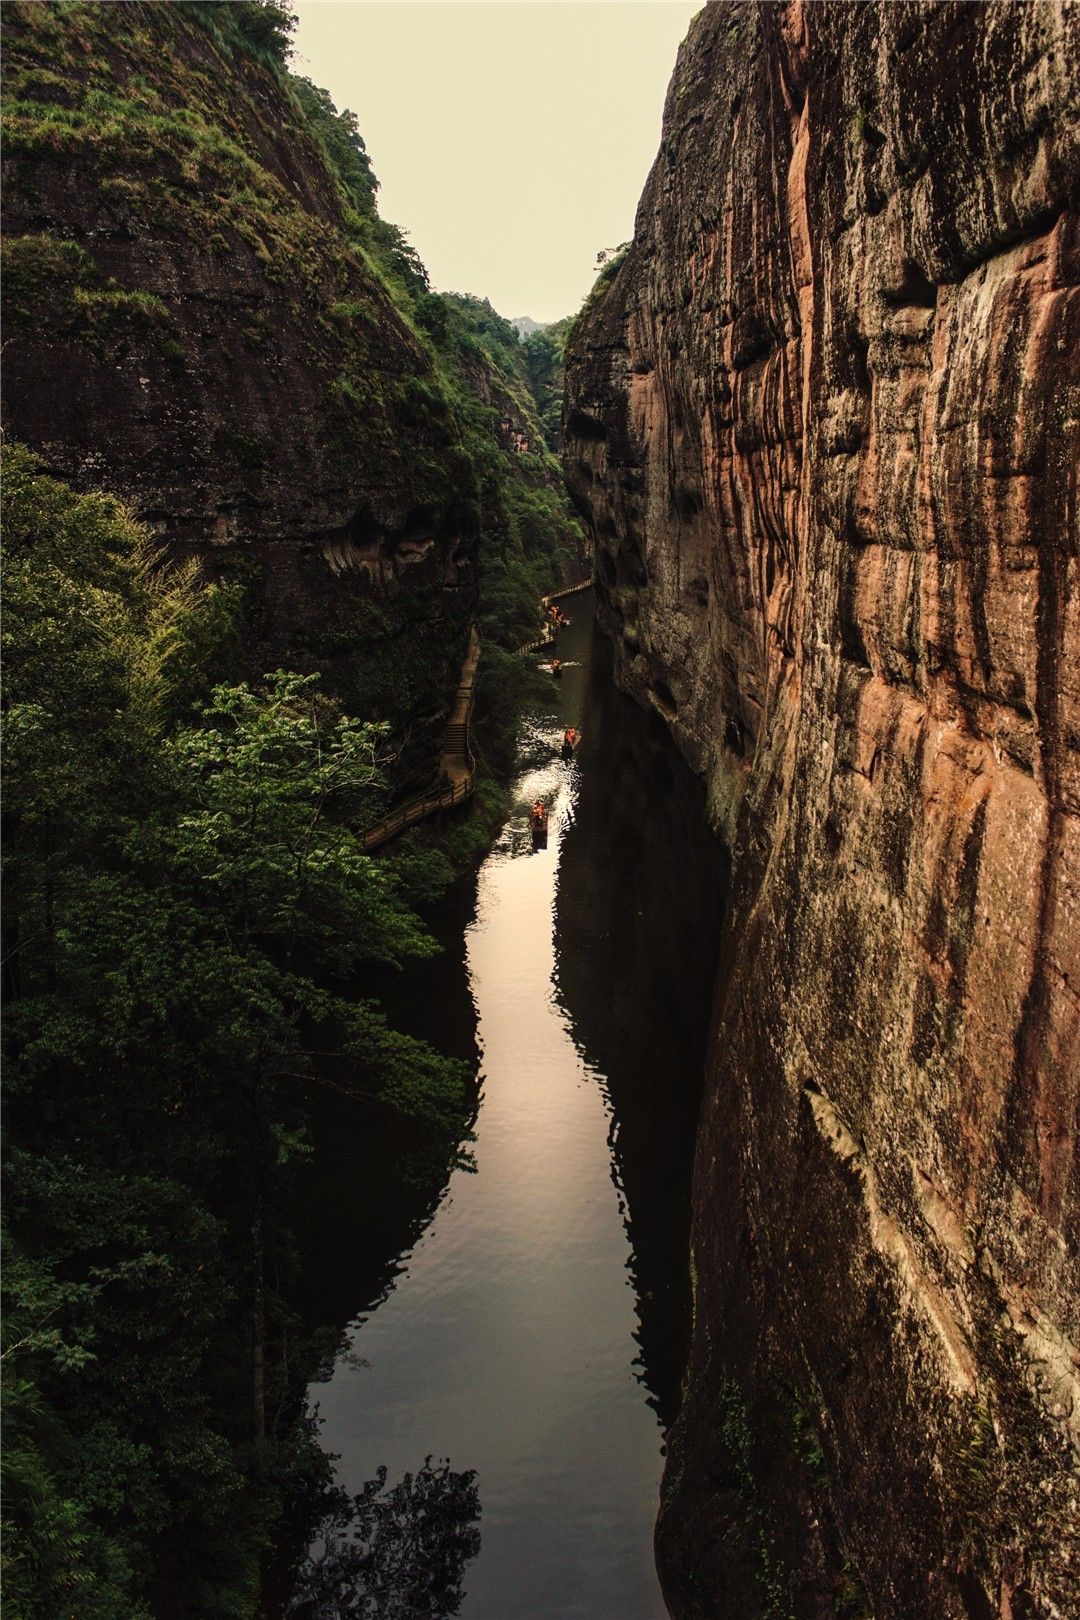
(183, 876)
(339, 135)
(265, 26)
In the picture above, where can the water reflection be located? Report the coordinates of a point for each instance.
(527, 1327)
(642, 886)
(397, 1554)
(355, 1217)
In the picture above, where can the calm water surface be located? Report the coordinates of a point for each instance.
(533, 1331)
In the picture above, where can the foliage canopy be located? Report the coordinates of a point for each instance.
(183, 878)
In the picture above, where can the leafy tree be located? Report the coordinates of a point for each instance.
(393, 244)
(339, 135)
(433, 315)
(263, 26)
(183, 881)
(269, 24)
(543, 357)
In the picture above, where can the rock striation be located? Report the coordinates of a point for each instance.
(822, 420)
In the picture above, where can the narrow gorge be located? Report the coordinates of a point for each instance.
(822, 420)
(511, 1113)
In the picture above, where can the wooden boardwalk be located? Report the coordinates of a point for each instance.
(549, 631)
(457, 768)
(568, 590)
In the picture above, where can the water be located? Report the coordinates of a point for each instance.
(532, 1329)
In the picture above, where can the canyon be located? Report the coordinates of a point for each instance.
(242, 436)
(822, 422)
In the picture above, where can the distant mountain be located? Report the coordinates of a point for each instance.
(526, 326)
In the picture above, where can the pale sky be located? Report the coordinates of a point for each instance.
(511, 138)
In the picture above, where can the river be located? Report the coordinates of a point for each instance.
(530, 1328)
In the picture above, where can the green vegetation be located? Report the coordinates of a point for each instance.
(738, 1440)
(544, 356)
(480, 390)
(182, 879)
(162, 110)
(46, 279)
(342, 146)
(33, 266)
(609, 262)
(157, 133)
(185, 891)
(531, 540)
(261, 28)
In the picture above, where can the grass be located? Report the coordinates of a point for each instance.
(597, 291)
(36, 268)
(52, 280)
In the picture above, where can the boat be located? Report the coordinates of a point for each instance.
(538, 825)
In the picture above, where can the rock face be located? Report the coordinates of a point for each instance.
(192, 325)
(822, 421)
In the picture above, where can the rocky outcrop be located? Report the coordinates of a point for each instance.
(822, 421)
(193, 322)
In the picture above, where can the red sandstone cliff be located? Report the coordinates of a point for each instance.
(823, 422)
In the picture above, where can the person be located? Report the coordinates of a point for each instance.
(538, 825)
(570, 736)
(554, 612)
(556, 666)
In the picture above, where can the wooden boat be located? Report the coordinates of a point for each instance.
(538, 826)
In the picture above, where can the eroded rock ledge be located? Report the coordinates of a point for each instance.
(823, 424)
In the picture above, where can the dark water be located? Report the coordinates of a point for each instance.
(531, 1326)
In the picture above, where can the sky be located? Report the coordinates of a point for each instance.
(512, 138)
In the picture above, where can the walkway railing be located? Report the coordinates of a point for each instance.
(456, 764)
(568, 590)
(548, 630)
(408, 814)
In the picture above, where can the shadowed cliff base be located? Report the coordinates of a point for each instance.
(817, 422)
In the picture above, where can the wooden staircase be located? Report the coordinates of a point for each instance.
(456, 739)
